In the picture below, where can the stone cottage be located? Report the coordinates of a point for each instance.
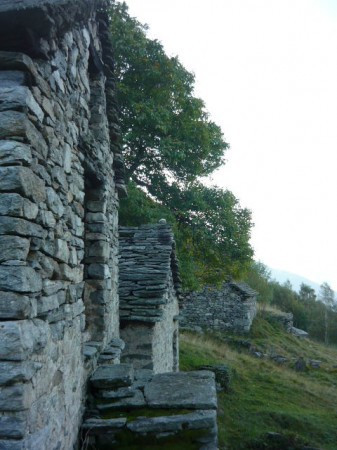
(61, 177)
(148, 293)
(230, 308)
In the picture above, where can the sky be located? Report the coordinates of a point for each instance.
(267, 71)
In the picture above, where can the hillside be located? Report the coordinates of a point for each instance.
(296, 280)
(266, 397)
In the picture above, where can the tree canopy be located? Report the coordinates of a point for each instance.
(166, 130)
(170, 144)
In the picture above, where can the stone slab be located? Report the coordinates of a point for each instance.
(109, 376)
(185, 390)
(102, 426)
(193, 421)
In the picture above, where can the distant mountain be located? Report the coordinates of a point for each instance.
(296, 280)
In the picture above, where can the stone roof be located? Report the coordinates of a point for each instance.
(243, 289)
(147, 258)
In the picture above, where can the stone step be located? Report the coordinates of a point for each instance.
(112, 376)
(182, 390)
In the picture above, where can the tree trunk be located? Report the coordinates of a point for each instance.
(326, 337)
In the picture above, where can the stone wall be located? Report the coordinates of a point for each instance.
(149, 290)
(231, 308)
(154, 345)
(58, 215)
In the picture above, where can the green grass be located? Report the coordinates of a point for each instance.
(265, 397)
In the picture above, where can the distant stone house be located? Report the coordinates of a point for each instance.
(230, 308)
(148, 292)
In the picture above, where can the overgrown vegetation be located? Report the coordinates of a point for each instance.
(170, 144)
(265, 397)
(316, 314)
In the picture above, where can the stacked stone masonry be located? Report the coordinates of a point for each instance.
(58, 216)
(149, 289)
(61, 176)
(139, 409)
(231, 308)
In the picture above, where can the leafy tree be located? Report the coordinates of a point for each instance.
(169, 144)
(166, 130)
(220, 228)
(259, 278)
(207, 253)
(307, 293)
(327, 297)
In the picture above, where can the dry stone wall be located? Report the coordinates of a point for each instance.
(58, 215)
(231, 308)
(149, 290)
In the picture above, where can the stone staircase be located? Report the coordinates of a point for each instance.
(137, 409)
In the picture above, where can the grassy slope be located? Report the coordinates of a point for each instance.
(267, 397)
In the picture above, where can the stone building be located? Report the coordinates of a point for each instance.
(60, 179)
(148, 292)
(231, 308)
(61, 176)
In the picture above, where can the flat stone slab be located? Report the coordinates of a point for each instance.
(136, 401)
(183, 390)
(200, 420)
(102, 426)
(109, 376)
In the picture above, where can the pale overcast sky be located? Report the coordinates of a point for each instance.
(267, 70)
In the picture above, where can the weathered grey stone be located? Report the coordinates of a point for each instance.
(99, 271)
(47, 219)
(15, 205)
(54, 202)
(52, 286)
(21, 227)
(15, 398)
(232, 308)
(18, 339)
(135, 401)
(191, 390)
(102, 426)
(12, 428)
(116, 393)
(15, 124)
(19, 98)
(89, 351)
(113, 376)
(315, 363)
(16, 306)
(192, 421)
(67, 156)
(12, 78)
(23, 181)
(12, 444)
(74, 274)
(12, 152)
(19, 279)
(61, 250)
(13, 247)
(117, 342)
(46, 122)
(45, 304)
(16, 372)
(99, 249)
(298, 332)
